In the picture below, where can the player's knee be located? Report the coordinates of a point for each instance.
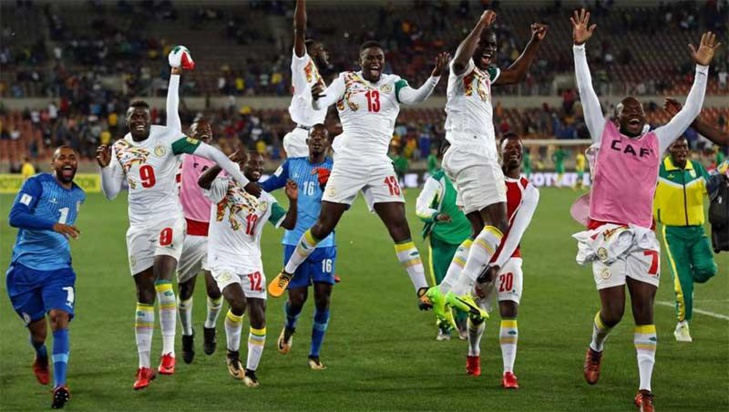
(322, 228)
(612, 315)
(214, 292)
(146, 295)
(508, 309)
(704, 272)
(186, 290)
(59, 319)
(238, 307)
(321, 302)
(399, 230)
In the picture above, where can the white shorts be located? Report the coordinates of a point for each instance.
(507, 286)
(194, 258)
(478, 178)
(641, 265)
(165, 238)
(253, 282)
(378, 183)
(294, 143)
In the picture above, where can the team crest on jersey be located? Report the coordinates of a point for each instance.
(238, 203)
(224, 276)
(602, 254)
(262, 205)
(331, 191)
(386, 88)
(159, 151)
(605, 274)
(133, 260)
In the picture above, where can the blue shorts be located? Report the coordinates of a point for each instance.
(318, 267)
(34, 293)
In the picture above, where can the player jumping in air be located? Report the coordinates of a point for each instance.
(319, 267)
(40, 280)
(147, 158)
(196, 208)
(308, 57)
(368, 102)
(234, 255)
(472, 160)
(620, 241)
(521, 202)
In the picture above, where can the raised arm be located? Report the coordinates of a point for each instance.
(716, 135)
(465, 50)
(518, 225)
(408, 95)
(232, 168)
(322, 99)
(300, 28)
(518, 70)
(668, 133)
(594, 118)
(111, 175)
(173, 100)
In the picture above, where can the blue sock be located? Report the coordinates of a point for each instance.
(60, 356)
(40, 349)
(321, 322)
(291, 315)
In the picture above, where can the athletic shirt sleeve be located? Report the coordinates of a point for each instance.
(278, 214)
(185, 144)
(218, 190)
(298, 74)
(21, 214)
(519, 224)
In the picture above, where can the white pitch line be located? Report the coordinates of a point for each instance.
(703, 312)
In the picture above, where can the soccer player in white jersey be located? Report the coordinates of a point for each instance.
(368, 102)
(521, 202)
(147, 158)
(234, 255)
(196, 209)
(472, 160)
(307, 58)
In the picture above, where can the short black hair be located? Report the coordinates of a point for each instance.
(58, 150)
(139, 103)
(507, 136)
(369, 44)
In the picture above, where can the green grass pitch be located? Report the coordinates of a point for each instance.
(380, 350)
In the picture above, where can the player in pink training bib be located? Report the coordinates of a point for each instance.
(620, 241)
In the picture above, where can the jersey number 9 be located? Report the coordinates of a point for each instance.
(146, 174)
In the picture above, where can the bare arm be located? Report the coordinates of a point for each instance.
(292, 192)
(465, 50)
(300, 28)
(518, 70)
(208, 177)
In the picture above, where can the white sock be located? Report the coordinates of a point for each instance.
(143, 331)
(482, 249)
(214, 306)
(456, 266)
(599, 333)
(409, 257)
(233, 328)
(508, 337)
(167, 315)
(184, 307)
(305, 247)
(256, 343)
(475, 332)
(645, 341)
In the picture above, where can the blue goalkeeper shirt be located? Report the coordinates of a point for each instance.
(304, 173)
(41, 203)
